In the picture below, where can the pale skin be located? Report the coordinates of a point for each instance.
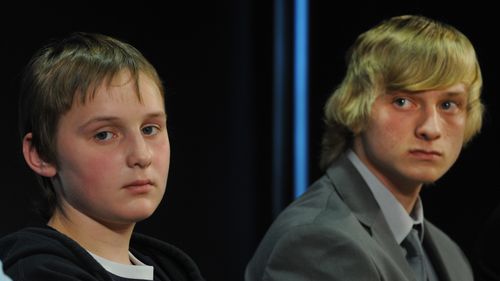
(114, 155)
(413, 138)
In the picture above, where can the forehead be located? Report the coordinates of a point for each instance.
(115, 83)
(116, 102)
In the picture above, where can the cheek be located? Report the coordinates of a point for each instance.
(458, 125)
(455, 134)
(385, 130)
(455, 129)
(100, 165)
(95, 169)
(162, 155)
(85, 176)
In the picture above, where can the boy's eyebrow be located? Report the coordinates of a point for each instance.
(455, 93)
(104, 118)
(451, 93)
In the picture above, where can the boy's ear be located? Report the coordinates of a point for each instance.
(33, 160)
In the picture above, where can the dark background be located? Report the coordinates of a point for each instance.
(216, 58)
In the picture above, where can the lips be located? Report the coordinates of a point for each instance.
(426, 151)
(140, 183)
(425, 154)
(139, 186)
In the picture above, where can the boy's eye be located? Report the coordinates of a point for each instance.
(150, 130)
(401, 102)
(447, 104)
(103, 136)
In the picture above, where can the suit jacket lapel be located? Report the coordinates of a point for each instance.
(435, 254)
(358, 196)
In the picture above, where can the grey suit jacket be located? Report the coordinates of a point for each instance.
(336, 231)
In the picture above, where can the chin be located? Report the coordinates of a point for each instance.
(134, 218)
(426, 180)
(427, 177)
(137, 215)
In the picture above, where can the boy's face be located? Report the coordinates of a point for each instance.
(114, 152)
(413, 138)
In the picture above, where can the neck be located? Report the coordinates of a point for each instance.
(405, 190)
(406, 197)
(110, 241)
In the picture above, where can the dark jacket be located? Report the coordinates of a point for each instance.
(43, 253)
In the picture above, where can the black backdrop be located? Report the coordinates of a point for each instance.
(216, 58)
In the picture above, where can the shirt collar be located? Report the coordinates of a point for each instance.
(399, 221)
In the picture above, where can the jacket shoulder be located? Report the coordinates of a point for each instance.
(45, 254)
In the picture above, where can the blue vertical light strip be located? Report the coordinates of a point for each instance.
(279, 103)
(301, 131)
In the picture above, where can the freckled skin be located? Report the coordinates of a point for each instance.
(413, 138)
